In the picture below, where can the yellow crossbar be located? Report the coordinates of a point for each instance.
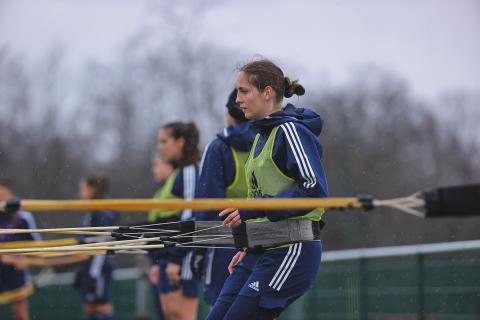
(179, 204)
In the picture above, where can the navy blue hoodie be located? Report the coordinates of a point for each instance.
(183, 187)
(217, 169)
(96, 265)
(297, 152)
(21, 220)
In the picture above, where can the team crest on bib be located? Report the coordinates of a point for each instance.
(256, 191)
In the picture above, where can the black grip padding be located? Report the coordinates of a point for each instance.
(457, 201)
(186, 227)
(367, 201)
(240, 237)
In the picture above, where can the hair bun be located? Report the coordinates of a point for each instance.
(293, 87)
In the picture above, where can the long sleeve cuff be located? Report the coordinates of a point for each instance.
(251, 214)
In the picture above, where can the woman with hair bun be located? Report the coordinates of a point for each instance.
(284, 162)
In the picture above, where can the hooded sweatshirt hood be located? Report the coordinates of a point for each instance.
(290, 113)
(240, 136)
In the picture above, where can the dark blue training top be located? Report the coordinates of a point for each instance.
(20, 220)
(217, 169)
(183, 187)
(97, 265)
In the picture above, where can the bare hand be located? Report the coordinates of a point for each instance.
(233, 218)
(173, 273)
(236, 260)
(18, 262)
(153, 274)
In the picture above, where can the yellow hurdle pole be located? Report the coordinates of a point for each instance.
(48, 255)
(79, 230)
(195, 204)
(115, 242)
(60, 260)
(42, 259)
(38, 244)
(81, 249)
(95, 244)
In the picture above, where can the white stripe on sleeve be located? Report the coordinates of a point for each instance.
(27, 216)
(188, 189)
(96, 266)
(202, 162)
(309, 166)
(300, 156)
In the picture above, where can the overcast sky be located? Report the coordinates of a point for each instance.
(434, 44)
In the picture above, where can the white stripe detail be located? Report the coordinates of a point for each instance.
(87, 220)
(96, 266)
(191, 194)
(208, 273)
(309, 166)
(183, 269)
(100, 287)
(186, 271)
(27, 216)
(299, 252)
(188, 189)
(287, 266)
(303, 157)
(225, 132)
(189, 270)
(281, 266)
(202, 162)
(294, 151)
(300, 155)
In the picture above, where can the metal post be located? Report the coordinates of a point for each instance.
(363, 290)
(420, 287)
(142, 289)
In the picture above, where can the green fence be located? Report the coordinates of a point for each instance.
(429, 282)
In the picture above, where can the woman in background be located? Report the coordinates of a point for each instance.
(15, 283)
(222, 175)
(178, 287)
(161, 171)
(94, 276)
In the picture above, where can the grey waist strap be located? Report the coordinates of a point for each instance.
(257, 234)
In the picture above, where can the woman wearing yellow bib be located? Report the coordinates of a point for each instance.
(177, 286)
(284, 162)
